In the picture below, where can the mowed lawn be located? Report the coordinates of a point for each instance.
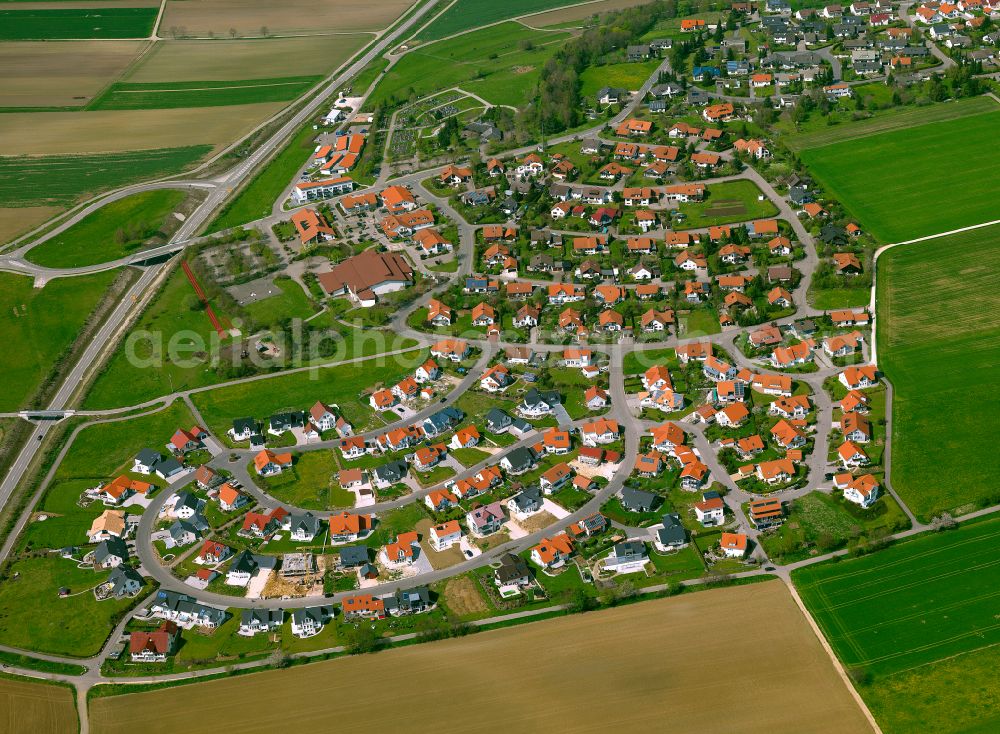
(725, 203)
(887, 179)
(629, 76)
(38, 324)
(938, 344)
(492, 63)
(670, 652)
(904, 613)
(113, 231)
(37, 707)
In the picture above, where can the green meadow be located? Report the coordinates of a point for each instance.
(914, 181)
(938, 345)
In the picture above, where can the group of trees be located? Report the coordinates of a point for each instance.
(557, 103)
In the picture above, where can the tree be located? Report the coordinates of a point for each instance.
(362, 639)
(233, 33)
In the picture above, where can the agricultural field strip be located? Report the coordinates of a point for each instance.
(902, 160)
(890, 122)
(827, 594)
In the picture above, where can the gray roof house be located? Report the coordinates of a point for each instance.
(410, 601)
(185, 610)
(390, 472)
(497, 421)
(309, 621)
(184, 533)
(124, 581)
(442, 421)
(671, 535)
(512, 571)
(528, 501)
(111, 552)
(304, 527)
(518, 460)
(627, 556)
(638, 500)
(253, 621)
(352, 556)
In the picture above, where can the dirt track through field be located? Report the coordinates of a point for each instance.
(738, 659)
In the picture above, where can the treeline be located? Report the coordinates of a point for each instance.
(556, 106)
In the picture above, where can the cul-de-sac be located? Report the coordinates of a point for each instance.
(540, 366)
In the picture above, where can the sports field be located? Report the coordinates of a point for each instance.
(42, 323)
(466, 14)
(56, 23)
(659, 661)
(887, 179)
(113, 231)
(44, 74)
(939, 344)
(36, 707)
(904, 613)
(291, 17)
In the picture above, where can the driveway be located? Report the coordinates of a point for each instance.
(562, 416)
(557, 511)
(257, 584)
(214, 447)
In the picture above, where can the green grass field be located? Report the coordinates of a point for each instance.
(168, 95)
(113, 231)
(893, 199)
(820, 134)
(56, 23)
(834, 298)
(104, 449)
(492, 63)
(311, 484)
(257, 198)
(938, 344)
(291, 303)
(904, 613)
(629, 76)
(817, 514)
(341, 385)
(40, 324)
(467, 14)
(60, 179)
(76, 625)
(727, 202)
(127, 382)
